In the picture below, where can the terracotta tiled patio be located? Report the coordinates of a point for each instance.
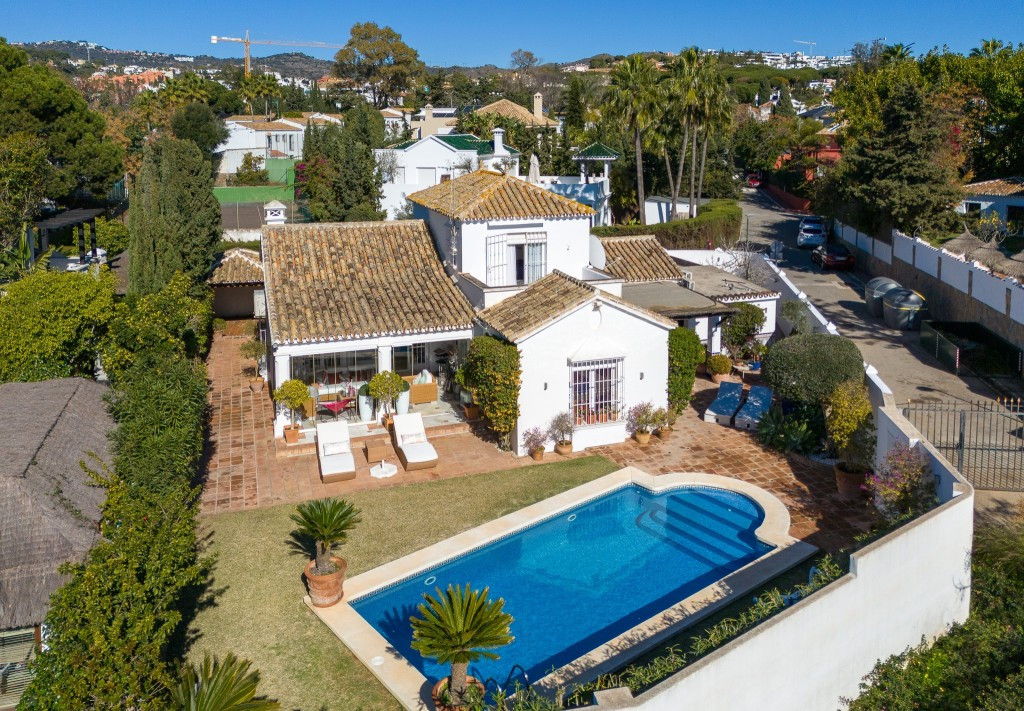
(247, 469)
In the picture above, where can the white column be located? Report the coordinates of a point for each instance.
(383, 358)
(282, 372)
(715, 334)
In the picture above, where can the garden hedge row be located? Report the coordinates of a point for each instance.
(717, 224)
(492, 368)
(685, 353)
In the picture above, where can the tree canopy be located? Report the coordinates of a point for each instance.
(377, 57)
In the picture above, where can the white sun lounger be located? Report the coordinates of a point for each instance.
(334, 449)
(759, 400)
(411, 443)
(724, 408)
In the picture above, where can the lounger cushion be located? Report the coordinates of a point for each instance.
(332, 448)
(337, 464)
(414, 438)
(419, 452)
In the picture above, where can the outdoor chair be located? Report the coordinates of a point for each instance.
(334, 449)
(724, 408)
(759, 400)
(411, 444)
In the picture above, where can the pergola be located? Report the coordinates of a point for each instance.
(595, 153)
(70, 218)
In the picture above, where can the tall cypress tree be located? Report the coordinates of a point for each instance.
(785, 105)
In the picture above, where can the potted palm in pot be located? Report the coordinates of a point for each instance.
(326, 522)
(534, 441)
(254, 349)
(457, 627)
(642, 421)
(293, 394)
(849, 421)
(385, 386)
(560, 430)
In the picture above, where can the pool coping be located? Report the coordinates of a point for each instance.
(412, 689)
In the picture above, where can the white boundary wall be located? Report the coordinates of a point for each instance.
(968, 277)
(909, 585)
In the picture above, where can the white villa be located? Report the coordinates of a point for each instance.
(279, 138)
(1004, 197)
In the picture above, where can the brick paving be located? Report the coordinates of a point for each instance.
(247, 469)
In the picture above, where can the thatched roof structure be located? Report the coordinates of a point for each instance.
(988, 254)
(49, 507)
(963, 244)
(1011, 266)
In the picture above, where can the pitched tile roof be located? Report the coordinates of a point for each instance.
(638, 258)
(597, 151)
(510, 109)
(238, 266)
(545, 301)
(337, 281)
(484, 195)
(1003, 186)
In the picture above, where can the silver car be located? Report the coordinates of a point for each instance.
(811, 235)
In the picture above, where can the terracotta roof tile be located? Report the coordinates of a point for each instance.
(484, 195)
(510, 109)
(238, 266)
(1002, 186)
(638, 258)
(337, 281)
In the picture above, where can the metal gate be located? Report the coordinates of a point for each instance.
(983, 440)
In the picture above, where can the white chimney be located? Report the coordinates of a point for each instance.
(428, 112)
(538, 106)
(275, 213)
(499, 141)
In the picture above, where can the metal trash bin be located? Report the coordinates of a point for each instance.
(903, 309)
(875, 290)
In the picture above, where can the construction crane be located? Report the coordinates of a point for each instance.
(246, 41)
(809, 44)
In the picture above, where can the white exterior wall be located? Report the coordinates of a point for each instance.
(420, 166)
(659, 209)
(568, 243)
(545, 357)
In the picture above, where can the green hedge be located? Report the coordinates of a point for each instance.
(492, 369)
(808, 368)
(685, 353)
(717, 224)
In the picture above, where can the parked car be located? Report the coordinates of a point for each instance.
(833, 256)
(813, 221)
(811, 235)
(753, 181)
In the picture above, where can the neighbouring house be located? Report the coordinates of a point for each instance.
(417, 164)
(1002, 196)
(397, 120)
(499, 233)
(654, 281)
(509, 109)
(347, 300)
(729, 289)
(589, 187)
(49, 507)
(265, 138)
(433, 121)
(235, 278)
(582, 350)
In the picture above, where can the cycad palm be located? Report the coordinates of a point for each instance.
(327, 522)
(633, 98)
(460, 626)
(219, 686)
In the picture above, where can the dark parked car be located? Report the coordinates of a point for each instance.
(833, 256)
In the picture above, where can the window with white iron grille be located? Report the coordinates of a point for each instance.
(595, 393)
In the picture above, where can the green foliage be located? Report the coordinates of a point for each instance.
(24, 175)
(784, 107)
(339, 179)
(685, 353)
(175, 219)
(633, 98)
(385, 386)
(849, 419)
(36, 100)
(492, 368)
(796, 313)
(293, 395)
(111, 235)
(327, 522)
(377, 57)
(159, 405)
(217, 685)
(741, 328)
(198, 123)
(642, 418)
(798, 432)
(903, 487)
(460, 626)
(808, 368)
(52, 324)
(561, 428)
(719, 364)
(174, 320)
(716, 225)
(253, 349)
(251, 171)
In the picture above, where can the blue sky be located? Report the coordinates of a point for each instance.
(469, 33)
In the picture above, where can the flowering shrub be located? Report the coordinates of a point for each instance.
(904, 486)
(534, 438)
(850, 425)
(642, 418)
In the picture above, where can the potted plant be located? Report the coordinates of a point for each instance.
(364, 401)
(560, 430)
(470, 406)
(254, 349)
(385, 387)
(460, 382)
(849, 421)
(293, 394)
(642, 421)
(404, 398)
(534, 441)
(602, 414)
(665, 419)
(457, 627)
(719, 366)
(327, 523)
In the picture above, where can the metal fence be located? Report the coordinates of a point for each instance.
(983, 440)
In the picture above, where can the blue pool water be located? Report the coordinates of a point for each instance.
(577, 580)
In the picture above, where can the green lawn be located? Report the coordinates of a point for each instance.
(258, 611)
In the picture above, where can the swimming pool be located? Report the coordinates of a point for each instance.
(580, 578)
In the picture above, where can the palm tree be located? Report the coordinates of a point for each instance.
(895, 53)
(457, 627)
(632, 97)
(719, 108)
(990, 49)
(327, 522)
(219, 686)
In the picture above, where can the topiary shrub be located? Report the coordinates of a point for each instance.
(685, 353)
(741, 328)
(808, 368)
(719, 364)
(492, 368)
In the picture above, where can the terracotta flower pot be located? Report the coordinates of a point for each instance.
(538, 454)
(291, 434)
(325, 590)
(256, 384)
(442, 684)
(643, 437)
(719, 377)
(563, 448)
(664, 433)
(848, 484)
